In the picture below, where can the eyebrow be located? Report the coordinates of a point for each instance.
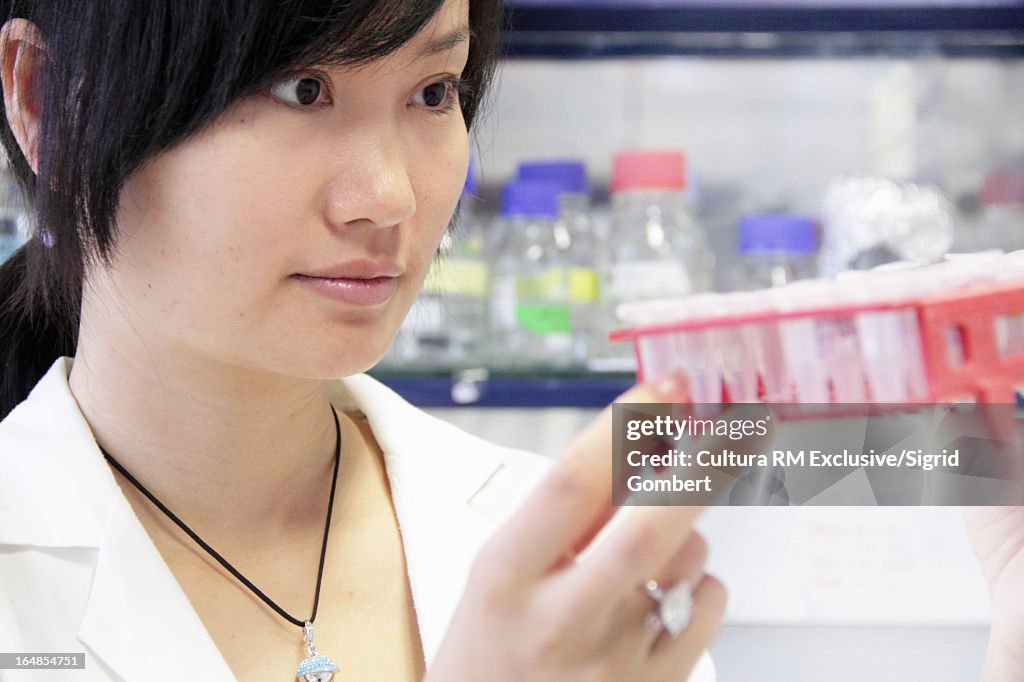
(446, 42)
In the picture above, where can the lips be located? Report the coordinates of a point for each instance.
(359, 269)
(359, 283)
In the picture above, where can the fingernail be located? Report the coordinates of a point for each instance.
(673, 386)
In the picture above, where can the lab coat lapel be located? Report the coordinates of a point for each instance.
(45, 457)
(434, 471)
(441, 536)
(135, 607)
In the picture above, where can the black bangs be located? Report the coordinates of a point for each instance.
(351, 37)
(356, 33)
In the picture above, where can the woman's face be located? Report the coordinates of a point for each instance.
(350, 174)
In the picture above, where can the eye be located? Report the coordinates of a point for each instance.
(438, 96)
(301, 91)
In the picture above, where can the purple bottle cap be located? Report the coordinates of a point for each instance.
(569, 175)
(529, 199)
(778, 232)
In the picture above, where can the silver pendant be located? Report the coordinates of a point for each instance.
(314, 668)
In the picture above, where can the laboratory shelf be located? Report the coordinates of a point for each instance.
(479, 388)
(807, 28)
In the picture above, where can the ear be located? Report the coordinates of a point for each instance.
(21, 59)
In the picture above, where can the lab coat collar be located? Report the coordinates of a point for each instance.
(47, 453)
(437, 473)
(135, 606)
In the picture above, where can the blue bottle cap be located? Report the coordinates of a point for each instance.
(568, 174)
(529, 199)
(778, 232)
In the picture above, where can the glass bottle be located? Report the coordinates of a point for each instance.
(576, 237)
(656, 249)
(531, 322)
(776, 249)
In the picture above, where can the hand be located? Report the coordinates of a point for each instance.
(997, 534)
(532, 611)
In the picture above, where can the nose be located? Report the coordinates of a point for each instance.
(370, 184)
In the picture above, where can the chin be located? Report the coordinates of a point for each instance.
(342, 360)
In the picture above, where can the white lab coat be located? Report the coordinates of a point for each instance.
(79, 574)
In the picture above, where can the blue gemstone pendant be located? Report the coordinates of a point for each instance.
(314, 668)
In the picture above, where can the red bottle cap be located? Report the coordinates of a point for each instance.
(654, 169)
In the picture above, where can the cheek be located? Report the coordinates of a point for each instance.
(440, 176)
(207, 229)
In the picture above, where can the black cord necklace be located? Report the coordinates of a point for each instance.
(315, 667)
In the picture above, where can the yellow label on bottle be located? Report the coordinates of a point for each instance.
(465, 277)
(583, 285)
(550, 285)
(457, 276)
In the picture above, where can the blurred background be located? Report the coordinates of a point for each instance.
(635, 149)
(769, 140)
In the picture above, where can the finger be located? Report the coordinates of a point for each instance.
(672, 387)
(572, 503)
(674, 658)
(635, 549)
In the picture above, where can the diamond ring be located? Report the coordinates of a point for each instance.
(675, 606)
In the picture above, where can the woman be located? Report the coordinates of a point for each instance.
(237, 202)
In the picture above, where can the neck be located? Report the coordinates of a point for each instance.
(248, 453)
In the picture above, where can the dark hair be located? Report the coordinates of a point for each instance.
(124, 80)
